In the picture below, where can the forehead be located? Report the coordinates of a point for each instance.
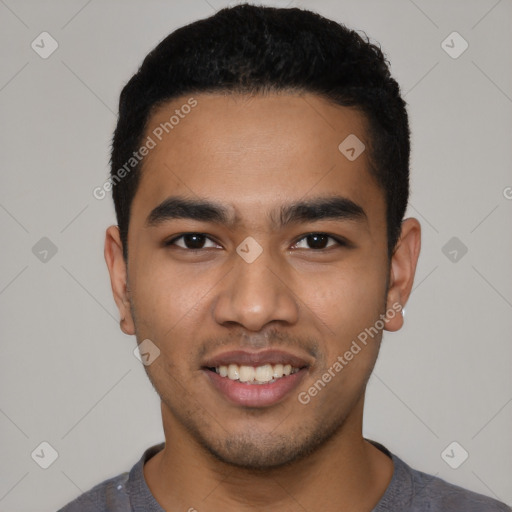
(250, 152)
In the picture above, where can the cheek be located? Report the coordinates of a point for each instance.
(347, 303)
(168, 300)
(346, 300)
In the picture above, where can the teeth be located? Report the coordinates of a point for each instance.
(278, 371)
(247, 373)
(256, 375)
(264, 373)
(233, 373)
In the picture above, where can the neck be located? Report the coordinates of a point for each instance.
(346, 473)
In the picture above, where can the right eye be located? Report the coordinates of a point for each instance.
(191, 241)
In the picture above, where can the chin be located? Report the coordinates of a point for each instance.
(263, 452)
(251, 456)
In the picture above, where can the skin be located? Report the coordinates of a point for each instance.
(254, 154)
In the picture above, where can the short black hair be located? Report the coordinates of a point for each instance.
(253, 49)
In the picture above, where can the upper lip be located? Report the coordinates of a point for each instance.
(246, 358)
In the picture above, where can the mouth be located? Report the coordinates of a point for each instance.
(255, 379)
(265, 374)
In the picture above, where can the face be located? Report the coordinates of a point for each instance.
(281, 271)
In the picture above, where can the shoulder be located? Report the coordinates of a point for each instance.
(433, 494)
(110, 495)
(119, 493)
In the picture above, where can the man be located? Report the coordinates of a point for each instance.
(260, 171)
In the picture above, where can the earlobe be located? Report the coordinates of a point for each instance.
(402, 271)
(118, 277)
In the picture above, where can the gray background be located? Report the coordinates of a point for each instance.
(69, 376)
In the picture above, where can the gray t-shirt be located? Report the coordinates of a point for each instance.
(409, 490)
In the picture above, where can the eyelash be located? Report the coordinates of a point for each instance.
(339, 241)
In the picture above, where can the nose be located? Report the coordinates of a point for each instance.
(255, 294)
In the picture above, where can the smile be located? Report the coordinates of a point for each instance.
(255, 379)
(265, 374)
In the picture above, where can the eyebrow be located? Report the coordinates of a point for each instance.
(203, 210)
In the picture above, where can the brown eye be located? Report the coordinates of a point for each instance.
(191, 241)
(319, 241)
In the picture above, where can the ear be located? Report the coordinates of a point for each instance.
(402, 270)
(118, 277)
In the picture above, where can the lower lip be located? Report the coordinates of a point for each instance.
(256, 395)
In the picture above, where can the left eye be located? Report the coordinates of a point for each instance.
(318, 241)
